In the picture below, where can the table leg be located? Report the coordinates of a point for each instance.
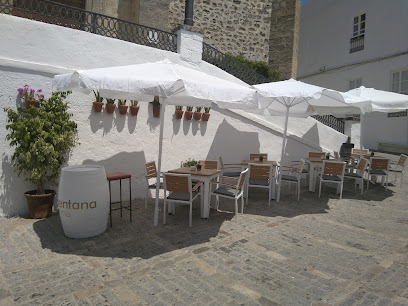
(312, 178)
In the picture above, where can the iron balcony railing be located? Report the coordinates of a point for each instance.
(331, 121)
(232, 66)
(79, 19)
(357, 43)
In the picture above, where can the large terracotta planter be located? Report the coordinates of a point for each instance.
(110, 108)
(205, 116)
(123, 109)
(97, 106)
(178, 113)
(31, 102)
(40, 205)
(134, 110)
(156, 111)
(188, 115)
(197, 115)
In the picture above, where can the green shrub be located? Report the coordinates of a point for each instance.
(41, 136)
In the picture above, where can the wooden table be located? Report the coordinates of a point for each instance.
(204, 175)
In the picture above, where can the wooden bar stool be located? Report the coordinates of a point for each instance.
(114, 176)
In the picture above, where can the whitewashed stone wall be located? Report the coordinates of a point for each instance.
(33, 52)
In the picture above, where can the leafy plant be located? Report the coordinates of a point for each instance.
(179, 107)
(110, 101)
(134, 102)
(198, 109)
(260, 67)
(41, 136)
(189, 163)
(121, 101)
(98, 97)
(28, 93)
(190, 108)
(207, 110)
(156, 101)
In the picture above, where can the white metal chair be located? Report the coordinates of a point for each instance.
(398, 167)
(181, 192)
(378, 167)
(151, 178)
(230, 170)
(359, 174)
(232, 191)
(293, 176)
(357, 151)
(332, 172)
(261, 176)
(295, 164)
(208, 164)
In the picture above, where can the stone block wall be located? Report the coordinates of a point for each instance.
(155, 14)
(234, 26)
(284, 37)
(123, 9)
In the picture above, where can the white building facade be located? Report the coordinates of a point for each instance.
(348, 43)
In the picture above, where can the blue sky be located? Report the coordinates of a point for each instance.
(305, 1)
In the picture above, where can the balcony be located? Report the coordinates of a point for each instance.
(357, 43)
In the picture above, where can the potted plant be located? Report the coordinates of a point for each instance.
(42, 137)
(190, 163)
(197, 113)
(179, 112)
(29, 95)
(206, 114)
(188, 114)
(110, 105)
(122, 106)
(156, 107)
(97, 104)
(134, 109)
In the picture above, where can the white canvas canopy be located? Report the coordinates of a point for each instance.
(174, 84)
(379, 101)
(293, 98)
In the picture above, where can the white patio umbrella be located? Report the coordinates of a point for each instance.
(293, 98)
(174, 84)
(380, 101)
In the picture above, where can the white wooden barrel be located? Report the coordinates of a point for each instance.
(83, 200)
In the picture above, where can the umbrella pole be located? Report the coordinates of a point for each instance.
(283, 152)
(361, 134)
(156, 205)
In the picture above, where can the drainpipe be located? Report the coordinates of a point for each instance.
(188, 20)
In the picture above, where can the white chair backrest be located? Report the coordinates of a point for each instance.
(220, 162)
(260, 172)
(336, 155)
(151, 171)
(241, 179)
(334, 168)
(378, 163)
(402, 160)
(362, 164)
(321, 155)
(208, 164)
(177, 182)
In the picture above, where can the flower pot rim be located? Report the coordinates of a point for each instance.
(33, 193)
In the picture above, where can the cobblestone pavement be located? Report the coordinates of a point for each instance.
(324, 251)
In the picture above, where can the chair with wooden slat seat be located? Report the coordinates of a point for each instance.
(290, 175)
(378, 167)
(332, 172)
(208, 164)
(359, 174)
(258, 155)
(232, 191)
(261, 176)
(180, 191)
(364, 152)
(398, 167)
(230, 170)
(151, 176)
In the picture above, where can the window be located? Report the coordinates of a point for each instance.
(357, 40)
(400, 85)
(355, 83)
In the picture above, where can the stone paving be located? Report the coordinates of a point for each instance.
(323, 251)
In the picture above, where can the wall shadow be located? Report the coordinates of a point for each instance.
(132, 122)
(233, 145)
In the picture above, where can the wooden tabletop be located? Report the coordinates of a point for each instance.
(264, 162)
(188, 170)
(319, 160)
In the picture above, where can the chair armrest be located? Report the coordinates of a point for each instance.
(237, 167)
(229, 177)
(197, 185)
(232, 164)
(226, 184)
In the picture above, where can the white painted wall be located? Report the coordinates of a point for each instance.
(325, 32)
(32, 53)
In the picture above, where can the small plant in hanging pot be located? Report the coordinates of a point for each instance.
(97, 104)
(156, 107)
(206, 114)
(122, 106)
(188, 113)
(197, 113)
(179, 112)
(110, 105)
(134, 109)
(30, 96)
